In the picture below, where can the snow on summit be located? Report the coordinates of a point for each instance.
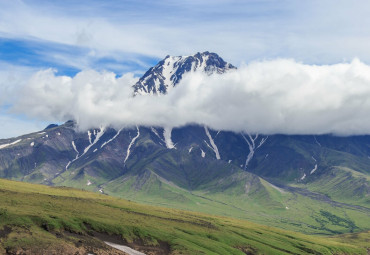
(169, 71)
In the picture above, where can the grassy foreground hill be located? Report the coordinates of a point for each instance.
(37, 219)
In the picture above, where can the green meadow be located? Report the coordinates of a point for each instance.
(49, 218)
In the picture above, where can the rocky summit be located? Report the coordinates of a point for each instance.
(169, 71)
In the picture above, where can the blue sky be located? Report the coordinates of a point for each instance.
(131, 35)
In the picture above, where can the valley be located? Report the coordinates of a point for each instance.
(316, 185)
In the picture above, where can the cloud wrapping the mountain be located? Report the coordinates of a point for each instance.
(278, 96)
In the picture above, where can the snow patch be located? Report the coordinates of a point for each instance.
(203, 154)
(214, 146)
(131, 143)
(88, 183)
(114, 137)
(69, 162)
(251, 146)
(2, 146)
(314, 169)
(191, 148)
(98, 136)
(157, 134)
(263, 140)
(304, 176)
(229, 161)
(167, 138)
(125, 249)
(32, 144)
(169, 68)
(75, 149)
(89, 135)
(95, 150)
(251, 141)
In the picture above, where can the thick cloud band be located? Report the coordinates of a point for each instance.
(279, 96)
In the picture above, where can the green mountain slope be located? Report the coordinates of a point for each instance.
(332, 198)
(343, 184)
(46, 220)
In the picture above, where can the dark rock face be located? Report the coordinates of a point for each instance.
(51, 126)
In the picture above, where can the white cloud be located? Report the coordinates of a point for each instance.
(11, 78)
(278, 96)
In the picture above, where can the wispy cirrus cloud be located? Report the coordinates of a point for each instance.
(310, 31)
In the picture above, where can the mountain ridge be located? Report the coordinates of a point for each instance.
(197, 168)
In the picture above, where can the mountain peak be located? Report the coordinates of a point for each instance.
(169, 71)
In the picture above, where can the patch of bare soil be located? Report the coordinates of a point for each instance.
(5, 231)
(91, 242)
(70, 244)
(67, 250)
(247, 250)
